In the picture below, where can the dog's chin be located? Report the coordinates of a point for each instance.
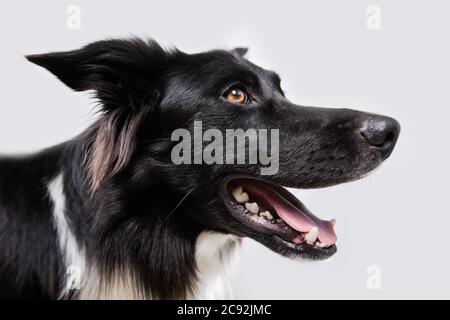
(271, 215)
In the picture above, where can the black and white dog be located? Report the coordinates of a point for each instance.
(112, 205)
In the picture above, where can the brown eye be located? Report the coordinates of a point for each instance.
(237, 96)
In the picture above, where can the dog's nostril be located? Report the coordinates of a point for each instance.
(381, 132)
(390, 137)
(379, 140)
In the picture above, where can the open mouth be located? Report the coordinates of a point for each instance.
(278, 215)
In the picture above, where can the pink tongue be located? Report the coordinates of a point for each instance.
(301, 220)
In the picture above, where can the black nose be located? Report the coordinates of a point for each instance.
(381, 133)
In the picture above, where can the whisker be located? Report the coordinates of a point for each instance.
(179, 203)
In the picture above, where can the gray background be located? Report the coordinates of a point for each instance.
(397, 219)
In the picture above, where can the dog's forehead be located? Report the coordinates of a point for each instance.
(225, 63)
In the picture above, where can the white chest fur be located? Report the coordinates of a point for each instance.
(215, 253)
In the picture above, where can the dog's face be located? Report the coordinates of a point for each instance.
(148, 94)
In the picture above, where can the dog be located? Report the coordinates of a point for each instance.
(109, 215)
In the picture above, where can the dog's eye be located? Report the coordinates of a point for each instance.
(237, 96)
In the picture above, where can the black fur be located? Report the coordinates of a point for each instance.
(145, 212)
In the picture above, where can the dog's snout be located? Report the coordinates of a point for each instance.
(381, 133)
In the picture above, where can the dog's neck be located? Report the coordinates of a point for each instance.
(214, 255)
(179, 264)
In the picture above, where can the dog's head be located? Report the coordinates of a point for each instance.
(154, 99)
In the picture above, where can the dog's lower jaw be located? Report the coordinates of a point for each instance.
(214, 254)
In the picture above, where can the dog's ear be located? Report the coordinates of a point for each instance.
(124, 76)
(241, 52)
(122, 73)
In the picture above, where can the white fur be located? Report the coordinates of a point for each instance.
(119, 287)
(73, 255)
(214, 254)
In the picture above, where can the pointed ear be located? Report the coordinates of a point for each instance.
(242, 52)
(122, 73)
(67, 67)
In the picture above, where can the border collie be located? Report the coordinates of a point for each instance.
(111, 209)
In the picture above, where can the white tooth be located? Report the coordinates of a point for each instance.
(266, 214)
(279, 220)
(311, 236)
(320, 244)
(237, 192)
(252, 207)
(239, 195)
(333, 222)
(243, 198)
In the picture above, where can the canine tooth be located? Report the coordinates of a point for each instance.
(333, 222)
(320, 244)
(243, 198)
(279, 220)
(237, 190)
(266, 214)
(311, 236)
(252, 207)
(239, 195)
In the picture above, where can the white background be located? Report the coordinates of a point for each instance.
(397, 219)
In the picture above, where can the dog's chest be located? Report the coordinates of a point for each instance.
(215, 254)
